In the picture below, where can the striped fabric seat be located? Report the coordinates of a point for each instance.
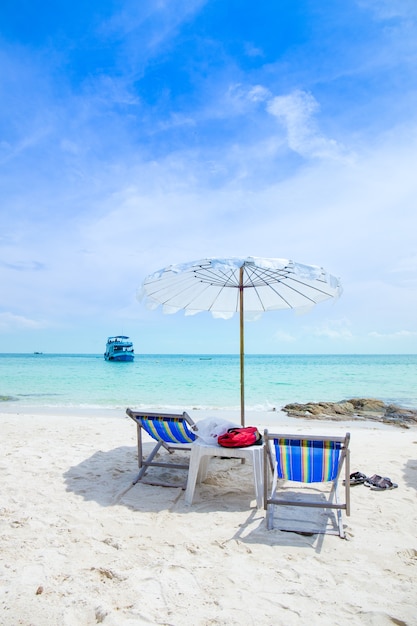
(306, 459)
(171, 431)
(168, 429)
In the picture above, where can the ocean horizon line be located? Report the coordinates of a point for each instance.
(217, 354)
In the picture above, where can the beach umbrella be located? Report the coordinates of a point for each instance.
(248, 286)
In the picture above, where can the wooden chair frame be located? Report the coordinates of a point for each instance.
(172, 431)
(277, 497)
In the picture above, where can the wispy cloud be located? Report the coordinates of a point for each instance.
(10, 322)
(399, 334)
(334, 330)
(144, 30)
(23, 266)
(296, 111)
(387, 9)
(281, 336)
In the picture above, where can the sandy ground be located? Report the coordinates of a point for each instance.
(80, 546)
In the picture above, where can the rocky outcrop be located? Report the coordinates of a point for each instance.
(356, 408)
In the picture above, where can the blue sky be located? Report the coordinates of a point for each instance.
(134, 135)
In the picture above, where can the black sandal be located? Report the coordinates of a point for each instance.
(380, 483)
(357, 478)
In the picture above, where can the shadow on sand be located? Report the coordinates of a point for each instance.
(106, 478)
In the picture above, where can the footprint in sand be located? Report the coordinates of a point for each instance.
(409, 556)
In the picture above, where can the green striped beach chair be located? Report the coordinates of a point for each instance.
(298, 464)
(171, 431)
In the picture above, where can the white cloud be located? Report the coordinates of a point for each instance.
(253, 51)
(406, 264)
(386, 9)
(296, 112)
(112, 89)
(258, 93)
(399, 334)
(334, 329)
(282, 336)
(10, 322)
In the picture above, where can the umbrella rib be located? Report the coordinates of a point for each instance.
(312, 287)
(260, 275)
(167, 300)
(213, 277)
(187, 282)
(253, 286)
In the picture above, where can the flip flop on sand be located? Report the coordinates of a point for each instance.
(357, 478)
(379, 483)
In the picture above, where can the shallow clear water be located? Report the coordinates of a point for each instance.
(204, 382)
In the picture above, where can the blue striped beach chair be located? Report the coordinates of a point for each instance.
(170, 431)
(306, 460)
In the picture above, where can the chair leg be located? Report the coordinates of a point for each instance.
(333, 493)
(340, 524)
(140, 475)
(145, 464)
(270, 509)
(338, 511)
(140, 453)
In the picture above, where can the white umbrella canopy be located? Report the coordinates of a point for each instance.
(249, 286)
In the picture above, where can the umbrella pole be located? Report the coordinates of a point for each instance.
(242, 351)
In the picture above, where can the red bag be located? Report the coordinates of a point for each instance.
(240, 437)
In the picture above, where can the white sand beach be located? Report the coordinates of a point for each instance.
(80, 547)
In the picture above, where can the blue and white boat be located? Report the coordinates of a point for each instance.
(119, 348)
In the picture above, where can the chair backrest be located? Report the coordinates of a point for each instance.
(309, 460)
(167, 427)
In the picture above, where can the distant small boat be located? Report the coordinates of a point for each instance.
(38, 353)
(119, 348)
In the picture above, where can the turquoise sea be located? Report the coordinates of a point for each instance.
(202, 381)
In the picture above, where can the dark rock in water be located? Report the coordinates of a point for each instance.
(356, 408)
